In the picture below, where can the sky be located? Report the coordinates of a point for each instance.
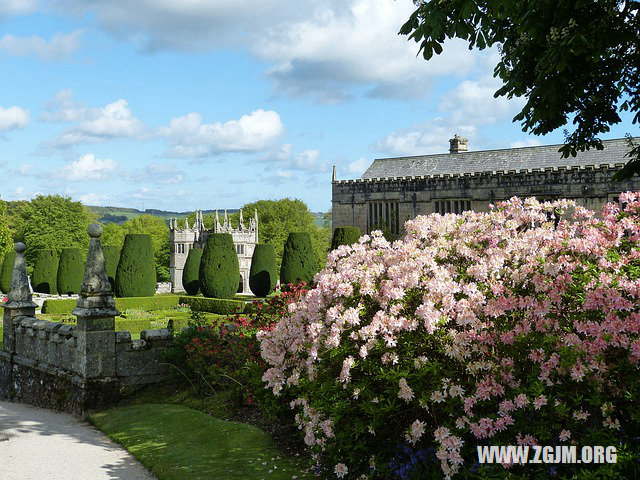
(211, 104)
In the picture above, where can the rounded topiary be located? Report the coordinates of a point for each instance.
(45, 271)
(111, 259)
(7, 271)
(191, 271)
(136, 272)
(70, 270)
(219, 267)
(263, 274)
(298, 260)
(344, 236)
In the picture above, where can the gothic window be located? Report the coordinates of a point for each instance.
(451, 206)
(240, 249)
(384, 216)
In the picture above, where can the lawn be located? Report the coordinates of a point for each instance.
(176, 442)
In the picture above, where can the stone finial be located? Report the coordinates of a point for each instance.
(96, 296)
(333, 177)
(458, 144)
(241, 221)
(186, 223)
(225, 222)
(20, 293)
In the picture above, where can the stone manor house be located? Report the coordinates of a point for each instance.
(195, 236)
(394, 190)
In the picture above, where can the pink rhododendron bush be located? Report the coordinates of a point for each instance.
(513, 327)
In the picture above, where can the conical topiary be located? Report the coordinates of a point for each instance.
(136, 272)
(7, 271)
(191, 272)
(344, 236)
(263, 275)
(70, 270)
(45, 271)
(298, 260)
(219, 267)
(111, 260)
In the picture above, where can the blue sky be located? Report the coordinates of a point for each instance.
(211, 104)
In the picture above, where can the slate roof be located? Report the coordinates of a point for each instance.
(496, 160)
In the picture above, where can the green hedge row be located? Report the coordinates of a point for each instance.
(220, 306)
(160, 302)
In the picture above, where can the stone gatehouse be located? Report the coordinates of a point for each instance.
(394, 190)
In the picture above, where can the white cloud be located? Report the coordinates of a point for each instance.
(189, 137)
(88, 167)
(13, 117)
(158, 173)
(529, 142)
(25, 169)
(14, 7)
(358, 166)
(94, 198)
(59, 47)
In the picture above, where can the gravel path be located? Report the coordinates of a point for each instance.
(42, 444)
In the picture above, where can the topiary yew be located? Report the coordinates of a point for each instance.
(298, 259)
(70, 270)
(219, 267)
(263, 274)
(7, 271)
(111, 260)
(45, 271)
(191, 272)
(136, 272)
(345, 236)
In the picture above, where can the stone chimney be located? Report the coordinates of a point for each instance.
(458, 144)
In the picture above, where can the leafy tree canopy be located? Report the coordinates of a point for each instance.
(6, 243)
(570, 59)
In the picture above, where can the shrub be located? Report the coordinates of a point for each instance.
(213, 305)
(70, 270)
(45, 271)
(263, 275)
(476, 329)
(191, 271)
(219, 267)
(344, 236)
(7, 271)
(159, 302)
(111, 260)
(298, 260)
(136, 272)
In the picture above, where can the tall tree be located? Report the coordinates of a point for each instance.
(6, 243)
(571, 59)
(159, 231)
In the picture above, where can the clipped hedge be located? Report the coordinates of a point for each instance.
(298, 259)
(160, 302)
(7, 271)
(219, 267)
(345, 236)
(221, 306)
(263, 275)
(70, 270)
(111, 260)
(136, 272)
(45, 272)
(191, 271)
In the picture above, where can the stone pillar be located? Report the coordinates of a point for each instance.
(96, 312)
(19, 302)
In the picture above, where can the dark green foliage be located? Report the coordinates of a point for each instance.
(191, 271)
(70, 270)
(298, 260)
(214, 305)
(7, 271)
(158, 302)
(136, 272)
(45, 272)
(111, 259)
(263, 275)
(345, 236)
(219, 267)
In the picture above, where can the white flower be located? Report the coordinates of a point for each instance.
(341, 470)
(415, 432)
(405, 392)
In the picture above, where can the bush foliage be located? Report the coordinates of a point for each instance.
(158, 302)
(111, 260)
(191, 272)
(7, 271)
(263, 275)
(298, 260)
(70, 270)
(136, 272)
(221, 306)
(219, 267)
(45, 272)
(345, 236)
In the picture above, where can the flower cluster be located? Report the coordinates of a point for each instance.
(520, 325)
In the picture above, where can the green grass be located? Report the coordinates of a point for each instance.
(175, 442)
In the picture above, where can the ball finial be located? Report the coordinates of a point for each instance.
(20, 247)
(94, 230)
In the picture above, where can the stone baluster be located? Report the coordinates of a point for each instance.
(19, 301)
(96, 312)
